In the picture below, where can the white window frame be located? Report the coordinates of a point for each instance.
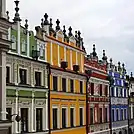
(10, 72)
(26, 73)
(66, 83)
(74, 116)
(83, 114)
(23, 45)
(58, 79)
(42, 76)
(14, 42)
(58, 116)
(66, 115)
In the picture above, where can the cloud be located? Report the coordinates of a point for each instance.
(107, 23)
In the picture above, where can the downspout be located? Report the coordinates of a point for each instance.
(87, 105)
(110, 108)
(49, 122)
(87, 109)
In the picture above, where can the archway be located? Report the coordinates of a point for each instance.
(114, 133)
(120, 132)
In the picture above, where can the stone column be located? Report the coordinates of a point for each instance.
(2, 84)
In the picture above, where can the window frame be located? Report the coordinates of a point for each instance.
(41, 128)
(10, 73)
(65, 116)
(72, 90)
(40, 77)
(73, 116)
(26, 75)
(55, 107)
(64, 90)
(81, 87)
(56, 82)
(82, 116)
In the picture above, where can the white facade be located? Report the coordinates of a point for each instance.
(27, 97)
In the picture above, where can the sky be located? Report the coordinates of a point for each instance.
(107, 23)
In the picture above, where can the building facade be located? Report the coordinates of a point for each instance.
(27, 78)
(131, 105)
(118, 99)
(98, 94)
(4, 47)
(65, 53)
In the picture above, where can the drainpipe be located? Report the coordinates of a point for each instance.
(49, 108)
(110, 108)
(87, 109)
(87, 106)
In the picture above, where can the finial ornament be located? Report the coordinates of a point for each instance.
(58, 24)
(94, 52)
(7, 12)
(17, 16)
(70, 31)
(46, 19)
(26, 24)
(104, 58)
(51, 24)
(131, 74)
(42, 22)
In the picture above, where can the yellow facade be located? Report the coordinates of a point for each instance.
(57, 51)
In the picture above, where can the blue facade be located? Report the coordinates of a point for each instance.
(119, 101)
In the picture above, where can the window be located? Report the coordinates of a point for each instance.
(63, 84)
(81, 116)
(121, 92)
(92, 88)
(117, 114)
(23, 45)
(116, 91)
(71, 86)
(91, 115)
(55, 118)
(81, 87)
(41, 49)
(7, 74)
(64, 117)
(124, 92)
(100, 109)
(39, 119)
(24, 119)
(71, 117)
(121, 114)
(100, 89)
(113, 115)
(13, 42)
(106, 90)
(38, 78)
(112, 91)
(125, 114)
(55, 83)
(106, 119)
(23, 76)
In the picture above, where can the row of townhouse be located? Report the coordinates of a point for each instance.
(55, 87)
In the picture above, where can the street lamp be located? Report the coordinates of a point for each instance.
(17, 118)
(111, 82)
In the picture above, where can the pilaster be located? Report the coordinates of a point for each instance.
(3, 85)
